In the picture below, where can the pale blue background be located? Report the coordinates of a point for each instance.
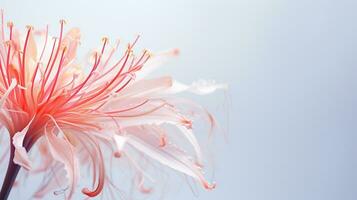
(291, 66)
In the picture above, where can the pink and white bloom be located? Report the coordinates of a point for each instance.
(78, 114)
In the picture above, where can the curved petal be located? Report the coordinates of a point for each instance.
(71, 42)
(188, 134)
(63, 152)
(155, 61)
(21, 157)
(170, 158)
(93, 151)
(52, 182)
(146, 88)
(156, 136)
(8, 91)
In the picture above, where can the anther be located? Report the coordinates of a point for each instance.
(10, 24)
(65, 48)
(8, 42)
(105, 39)
(30, 27)
(62, 21)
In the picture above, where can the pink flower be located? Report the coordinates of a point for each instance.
(75, 117)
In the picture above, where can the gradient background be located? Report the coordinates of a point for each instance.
(291, 67)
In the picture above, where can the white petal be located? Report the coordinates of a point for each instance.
(6, 94)
(193, 140)
(21, 157)
(164, 157)
(63, 151)
(155, 61)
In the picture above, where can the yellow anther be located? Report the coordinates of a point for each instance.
(148, 52)
(9, 42)
(10, 24)
(62, 21)
(29, 27)
(65, 48)
(105, 39)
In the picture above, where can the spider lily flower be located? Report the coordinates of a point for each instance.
(51, 102)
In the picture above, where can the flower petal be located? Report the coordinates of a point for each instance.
(52, 182)
(63, 152)
(170, 158)
(155, 61)
(71, 42)
(8, 91)
(21, 157)
(188, 134)
(146, 88)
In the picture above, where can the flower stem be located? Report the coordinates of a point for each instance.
(10, 177)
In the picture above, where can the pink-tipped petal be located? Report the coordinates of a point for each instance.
(169, 158)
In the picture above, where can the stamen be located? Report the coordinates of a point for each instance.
(10, 24)
(57, 74)
(79, 87)
(48, 64)
(22, 81)
(3, 76)
(2, 25)
(143, 113)
(106, 86)
(57, 51)
(63, 21)
(8, 54)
